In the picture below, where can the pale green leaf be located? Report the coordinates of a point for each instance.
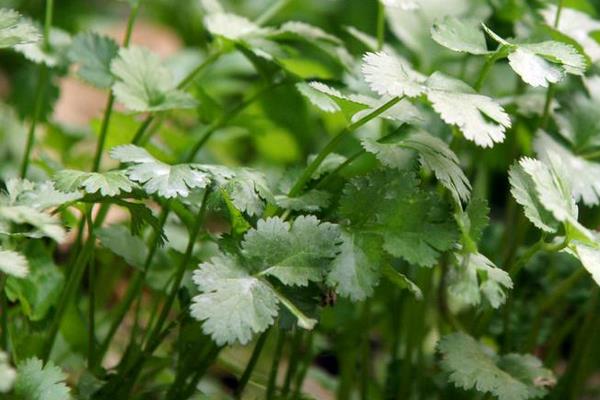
(36, 381)
(295, 253)
(109, 184)
(120, 241)
(391, 76)
(45, 225)
(463, 35)
(94, 53)
(470, 365)
(144, 84)
(13, 263)
(54, 56)
(233, 304)
(15, 30)
(8, 375)
(311, 201)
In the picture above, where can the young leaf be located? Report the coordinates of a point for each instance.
(54, 56)
(583, 175)
(36, 381)
(311, 201)
(233, 304)
(480, 118)
(94, 53)
(15, 30)
(458, 34)
(45, 225)
(589, 257)
(39, 195)
(13, 264)
(294, 253)
(534, 70)
(389, 75)
(157, 177)
(7, 374)
(145, 85)
(356, 270)
(475, 275)
(511, 377)
(248, 190)
(109, 184)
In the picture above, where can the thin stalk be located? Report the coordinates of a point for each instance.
(270, 12)
(73, 282)
(181, 269)
(135, 287)
(487, 67)
(200, 370)
(380, 25)
(258, 348)
(305, 365)
(293, 360)
(551, 88)
(365, 350)
(272, 383)
(4, 309)
(91, 300)
(334, 142)
(48, 23)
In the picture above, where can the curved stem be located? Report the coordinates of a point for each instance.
(270, 12)
(487, 67)
(272, 383)
(334, 142)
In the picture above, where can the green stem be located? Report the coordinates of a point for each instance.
(306, 361)
(551, 88)
(48, 23)
(135, 287)
(181, 269)
(487, 67)
(73, 282)
(91, 299)
(334, 142)
(380, 25)
(37, 110)
(111, 98)
(270, 12)
(4, 309)
(272, 383)
(293, 361)
(365, 349)
(258, 348)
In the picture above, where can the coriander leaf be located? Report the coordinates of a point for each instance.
(401, 280)
(523, 190)
(248, 190)
(311, 201)
(45, 225)
(401, 4)
(233, 304)
(534, 70)
(144, 84)
(294, 253)
(120, 241)
(15, 30)
(94, 53)
(39, 195)
(583, 175)
(472, 366)
(157, 177)
(478, 214)
(459, 34)
(54, 56)
(389, 75)
(13, 263)
(36, 381)
(356, 270)
(589, 257)
(7, 374)
(308, 31)
(475, 275)
(109, 184)
(316, 93)
(479, 117)
(232, 26)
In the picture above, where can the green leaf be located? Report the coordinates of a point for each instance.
(583, 175)
(478, 214)
(144, 84)
(39, 292)
(589, 257)
(94, 54)
(55, 56)
(475, 276)
(45, 225)
(459, 34)
(511, 377)
(120, 241)
(13, 263)
(311, 201)
(479, 117)
(7, 374)
(38, 195)
(247, 189)
(415, 224)
(356, 270)
(36, 381)
(389, 75)
(294, 253)
(15, 30)
(157, 177)
(109, 184)
(233, 304)
(401, 281)
(233, 27)
(434, 155)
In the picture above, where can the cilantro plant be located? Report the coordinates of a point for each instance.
(383, 199)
